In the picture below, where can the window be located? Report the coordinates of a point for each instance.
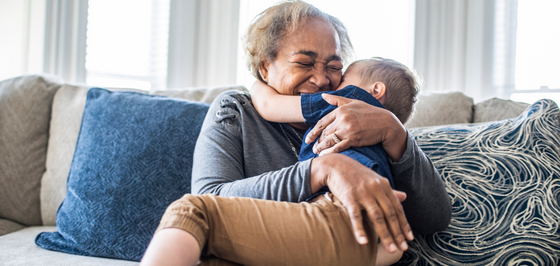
(376, 28)
(127, 43)
(537, 57)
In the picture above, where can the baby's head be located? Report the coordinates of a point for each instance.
(390, 82)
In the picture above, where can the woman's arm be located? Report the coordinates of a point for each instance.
(358, 124)
(276, 107)
(361, 189)
(428, 207)
(238, 155)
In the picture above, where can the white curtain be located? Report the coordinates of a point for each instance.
(65, 39)
(454, 43)
(203, 38)
(505, 44)
(44, 36)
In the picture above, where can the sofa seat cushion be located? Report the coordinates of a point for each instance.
(19, 249)
(504, 183)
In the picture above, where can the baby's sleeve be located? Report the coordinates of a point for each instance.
(313, 107)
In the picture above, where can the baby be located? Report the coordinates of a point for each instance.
(384, 83)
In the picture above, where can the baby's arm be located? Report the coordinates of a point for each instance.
(276, 107)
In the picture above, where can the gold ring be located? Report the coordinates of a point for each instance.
(335, 138)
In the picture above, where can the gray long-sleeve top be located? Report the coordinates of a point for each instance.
(238, 153)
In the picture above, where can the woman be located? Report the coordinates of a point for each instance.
(295, 48)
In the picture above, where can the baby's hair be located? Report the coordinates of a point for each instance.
(401, 84)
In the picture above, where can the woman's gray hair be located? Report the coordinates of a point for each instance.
(266, 31)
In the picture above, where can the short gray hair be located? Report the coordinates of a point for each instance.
(269, 27)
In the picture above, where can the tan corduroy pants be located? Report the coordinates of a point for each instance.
(263, 232)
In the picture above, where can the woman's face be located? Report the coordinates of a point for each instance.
(308, 61)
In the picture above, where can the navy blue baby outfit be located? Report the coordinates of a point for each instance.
(314, 108)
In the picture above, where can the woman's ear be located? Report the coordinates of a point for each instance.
(378, 90)
(263, 70)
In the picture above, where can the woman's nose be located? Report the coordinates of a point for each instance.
(320, 79)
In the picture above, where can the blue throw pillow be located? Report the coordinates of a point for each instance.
(504, 182)
(133, 158)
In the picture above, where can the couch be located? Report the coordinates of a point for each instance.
(40, 121)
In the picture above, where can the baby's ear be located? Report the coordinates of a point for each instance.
(378, 90)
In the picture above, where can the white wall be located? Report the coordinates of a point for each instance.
(22, 31)
(13, 21)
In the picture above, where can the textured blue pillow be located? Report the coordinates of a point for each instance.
(133, 158)
(504, 181)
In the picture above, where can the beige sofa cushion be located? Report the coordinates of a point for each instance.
(25, 111)
(201, 94)
(444, 108)
(68, 106)
(18, 248)
(497, 109)
(7, 226)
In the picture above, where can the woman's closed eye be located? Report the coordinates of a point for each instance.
(329, 67)
(334, 68)
(305, 64)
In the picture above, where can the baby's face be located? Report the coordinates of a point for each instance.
(350, 77)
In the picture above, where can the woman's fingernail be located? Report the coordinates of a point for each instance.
(392, 248)
(404, 246)
(410, 235)
(363, 240)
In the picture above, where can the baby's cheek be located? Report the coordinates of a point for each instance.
(336, 81)
(341, 86)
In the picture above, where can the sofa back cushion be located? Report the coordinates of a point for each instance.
(441, 108)
(497, 109)
(25, 111)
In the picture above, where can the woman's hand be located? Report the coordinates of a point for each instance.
(358, 124)
(359, 188)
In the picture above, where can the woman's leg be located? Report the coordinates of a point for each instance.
(260, 232)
